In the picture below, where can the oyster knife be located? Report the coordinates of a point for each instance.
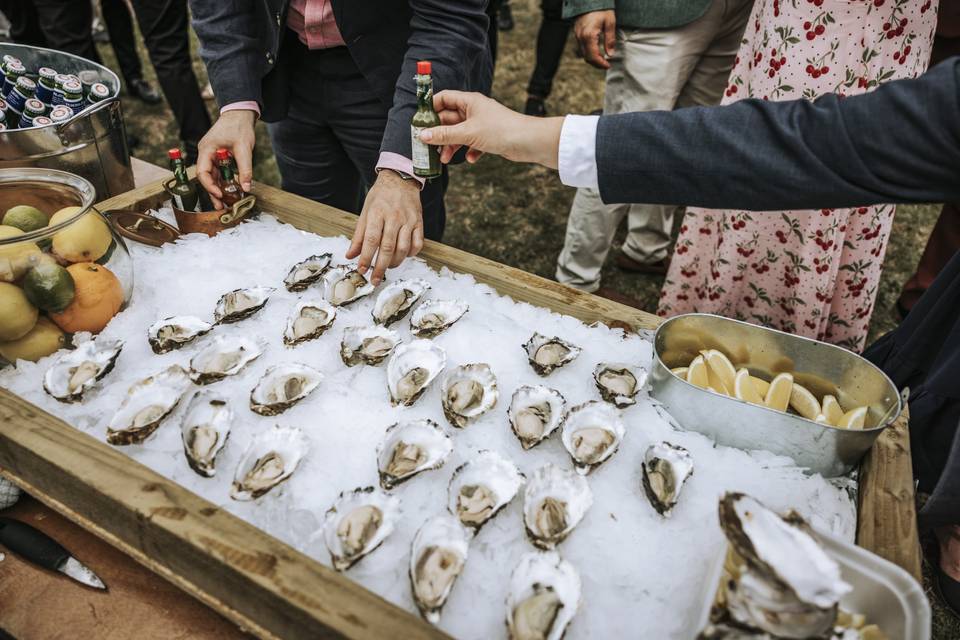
(37, 547)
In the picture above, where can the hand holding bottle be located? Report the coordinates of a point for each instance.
(232, 131)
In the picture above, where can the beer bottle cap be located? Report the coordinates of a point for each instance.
(47, 72)
(42, 121)
(35, 106)
(26, 84)
(99, 91)
(223, 154)
(72, 86)
(174, 154)
(423, 68)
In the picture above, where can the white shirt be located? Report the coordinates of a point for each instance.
(578, 152)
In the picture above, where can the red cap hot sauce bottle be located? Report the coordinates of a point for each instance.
(426, 158)
(186, 197)
(228, 182)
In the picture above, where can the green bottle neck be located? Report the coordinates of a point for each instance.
(226, 170)
(424, 92)
(179, 172)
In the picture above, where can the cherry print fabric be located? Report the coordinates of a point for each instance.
(812, 273)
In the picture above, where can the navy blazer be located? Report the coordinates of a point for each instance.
(900, 143)
(241, 43)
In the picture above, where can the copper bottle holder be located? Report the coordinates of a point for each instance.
(211, 222)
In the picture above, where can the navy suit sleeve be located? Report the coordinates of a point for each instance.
(900, 143)
(230, 48)
(452, 35)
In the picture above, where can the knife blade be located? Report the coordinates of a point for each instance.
(40, 549)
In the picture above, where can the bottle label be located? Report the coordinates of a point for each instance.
(421, 150)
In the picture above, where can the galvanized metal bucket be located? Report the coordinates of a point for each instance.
(92, 144)
(822, 368)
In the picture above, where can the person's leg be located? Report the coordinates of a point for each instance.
(164, 25)
(551, 41)
(24, 23)
(66, 26)
(505, 16)
(943, 242)
(119, 22)
(493, 10)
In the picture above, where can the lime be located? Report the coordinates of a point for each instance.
(45, 338)
(17, 315)
(49, 286)
(25, 218)
(85, 240)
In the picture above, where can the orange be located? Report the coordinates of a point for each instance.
(98, 297)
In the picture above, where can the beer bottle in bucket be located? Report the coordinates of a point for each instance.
(58, 81)
(228, 182)
(426, 158)
(46, 83)
(185, 194)
(17, 100)
(73, 95)
(61, 113)
(31, 110)
(14, 71)
(98, 92)
(3, 112)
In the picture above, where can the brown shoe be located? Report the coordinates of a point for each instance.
(616, 296)
(627, 263)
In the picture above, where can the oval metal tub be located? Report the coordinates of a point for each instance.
(822, 368)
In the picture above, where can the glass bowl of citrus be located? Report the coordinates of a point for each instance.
(63, 269)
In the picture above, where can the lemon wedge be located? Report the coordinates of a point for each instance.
(720, 369)
(832, 409)
(853, 419)
(762, 385)
(697, 373)
(680, 372)
(821, 419)
(745, 389)
(778, 395)
(804, 402)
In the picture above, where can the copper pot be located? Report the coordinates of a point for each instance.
(211, 222)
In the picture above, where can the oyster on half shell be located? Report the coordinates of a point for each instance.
(437, 557)
(534, 413)
(240, 303)
(544, 596)
(270, 458)
(468, 392)
(554, 502)
(411, 369)
(282, 386)
(547, 354)
(396, 300)
(223, 356)
(433, 317)
(481, 487)
(174, 332)
(75, 372)
(343, 285)
(306, 272)
(367, 345)
(409, 448)
(146, 404)
(666, 467)
(591, 433)
(358, 523)
(309, 320)
(617, 383)
(205, 429)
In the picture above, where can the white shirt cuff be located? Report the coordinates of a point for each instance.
(578, 152)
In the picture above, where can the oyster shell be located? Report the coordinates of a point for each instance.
(437, 557)
(411, 369)
(554, 502)
(174, 332)
(534, 413)
(147, 403)
(591, 433)
(205, 429)
(546, 354)
(75, 372)
(367, 345)
(310, 318)
(282, 386)
(343, 285)
(433, 317)
(544, 596)
(665, 468)
(306, 272)
(357, 523)
(409, 448)
(270, 458)
(223, 356)
(617, 383)
(240, 303)
(396, 300)
(481, 487)
(468, 392)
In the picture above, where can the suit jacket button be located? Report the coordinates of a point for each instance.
(269, 58)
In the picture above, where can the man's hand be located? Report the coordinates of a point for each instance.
(486, 126)
(593, 30)
(233, 130)
(390, 225)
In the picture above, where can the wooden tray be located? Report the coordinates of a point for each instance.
(262, 584)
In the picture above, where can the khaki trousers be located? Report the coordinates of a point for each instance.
(651, 70)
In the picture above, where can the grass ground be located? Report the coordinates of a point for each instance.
(517, 214)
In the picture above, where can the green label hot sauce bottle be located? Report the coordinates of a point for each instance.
(426, 158)
(185, 195)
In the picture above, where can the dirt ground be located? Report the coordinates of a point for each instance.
(517, 214)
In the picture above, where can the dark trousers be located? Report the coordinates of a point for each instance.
(328, 145)
(551, 41)
(119, 22)
(493, 31)
(64, 25)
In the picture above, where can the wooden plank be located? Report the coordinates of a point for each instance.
(145, 173)
(251, 578)
(887, 518)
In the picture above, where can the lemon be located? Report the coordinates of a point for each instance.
(762, 385)
(853, 419)
(45, 338)
(25, 218)
(778, 395)
(832, 410)
(821, 419)
(697, 373)
(744, 389)
(49, 287)
(720, 370)
(14, 258)
(680, 372)
(804, 402)
(17, 315)
(84, 240)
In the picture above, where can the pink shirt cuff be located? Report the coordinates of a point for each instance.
(397, 162)
(246, 105)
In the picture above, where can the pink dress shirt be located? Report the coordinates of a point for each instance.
(315, 25)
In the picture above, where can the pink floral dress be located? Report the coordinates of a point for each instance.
(813, 273)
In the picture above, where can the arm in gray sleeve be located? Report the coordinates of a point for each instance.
(230, 48)
(900, 143)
